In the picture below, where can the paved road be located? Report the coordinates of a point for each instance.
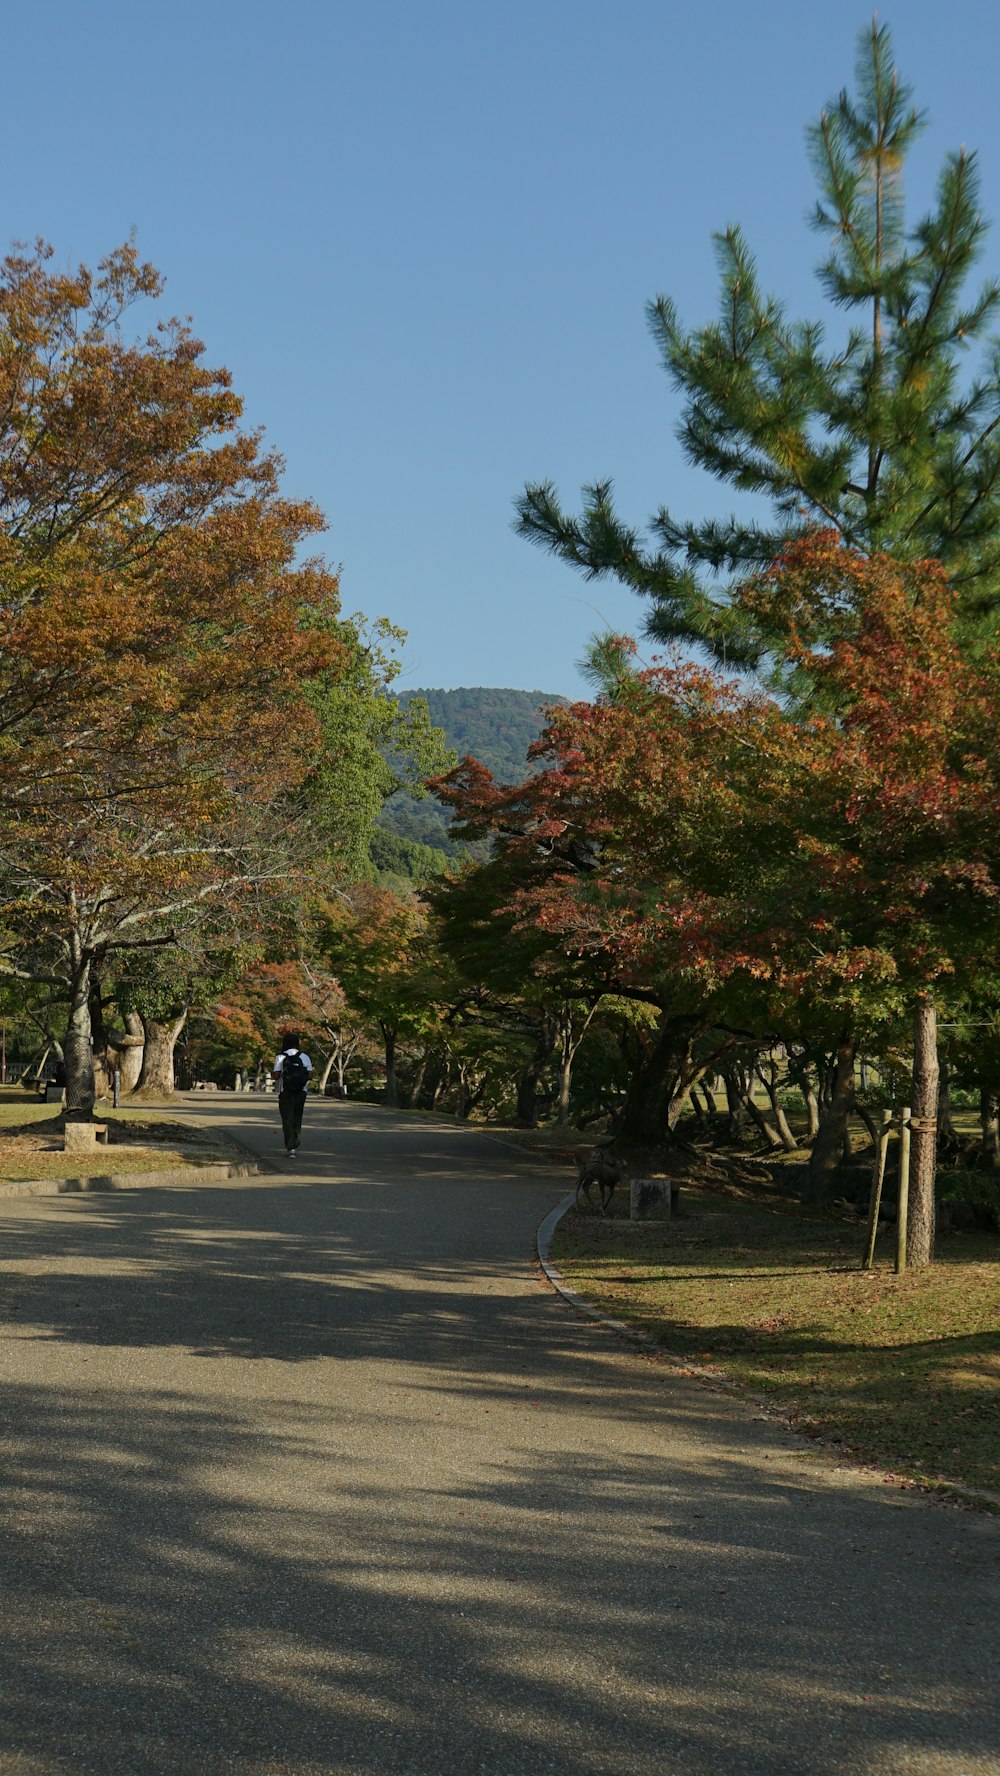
(308, 1474)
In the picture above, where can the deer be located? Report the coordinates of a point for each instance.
(595, 1165)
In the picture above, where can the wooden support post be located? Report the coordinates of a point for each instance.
(903, 1209)
(878, 1178)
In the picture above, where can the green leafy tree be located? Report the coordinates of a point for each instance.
(372, 744)
(376, 944)
(163, 987)
(243, 1026)
(546, 994)
(881, 434)
(758, 874)
(157, 627)
(396, 859)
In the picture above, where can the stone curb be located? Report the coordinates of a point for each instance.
(543, 1243)
(110, 1181)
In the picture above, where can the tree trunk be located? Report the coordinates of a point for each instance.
(156, 1075)
(769, 1081)
(828, 1146)
(644, 1121)
(103, 1061)
(923, 1149)
(526, 1111)
(462, 1096)
(697, 1106)
(989, 1122)
(812, 1107)
(470, 1092)
(78, 1049)
(869, 1124)
(735, 1104)
(567, 1049)
(125, 1053)
(689, 1076)
(35, 1070)
(104, 1073)
(788, 1140)
(948, 1136)
(568, 1043)
(770, 1137)
(130, 1051)
(391, 1088)
(341, 1055)
(416, 1083)
(434, 1080)
(827, 1073)
(739, 1093)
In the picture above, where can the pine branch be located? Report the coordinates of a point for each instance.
(878, 440)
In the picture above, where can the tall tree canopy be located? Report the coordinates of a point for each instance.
(803, 870)
(883, 434)
(159, 629)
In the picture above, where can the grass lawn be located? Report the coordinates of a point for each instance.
(903, 1371)
(31, 1147)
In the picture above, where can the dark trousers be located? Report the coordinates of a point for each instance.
(291, 1104)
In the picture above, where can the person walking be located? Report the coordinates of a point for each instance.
(291, 1070)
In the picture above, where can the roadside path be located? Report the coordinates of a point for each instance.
(307, 1475)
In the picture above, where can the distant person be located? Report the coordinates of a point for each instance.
(291, 1070)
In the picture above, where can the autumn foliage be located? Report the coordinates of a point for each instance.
(801, 862)
(159, 628)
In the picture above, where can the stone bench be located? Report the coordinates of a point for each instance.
(83, 1137)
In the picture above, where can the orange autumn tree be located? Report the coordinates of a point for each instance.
(895, 719)
(248, 1020)
(649, 813)
(817, 860)
(159, 626)
(378, 946)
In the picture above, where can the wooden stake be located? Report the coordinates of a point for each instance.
(903, 1210)
(878, 1178)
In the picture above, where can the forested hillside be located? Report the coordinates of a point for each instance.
(495, 726)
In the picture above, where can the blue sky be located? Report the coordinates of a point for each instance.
(422, 235)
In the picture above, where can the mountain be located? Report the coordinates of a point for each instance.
(496, 726)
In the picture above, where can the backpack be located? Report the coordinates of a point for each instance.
(294, 1073)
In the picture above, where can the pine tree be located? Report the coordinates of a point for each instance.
(886, 437)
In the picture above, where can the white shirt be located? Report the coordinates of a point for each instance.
(279, 1061)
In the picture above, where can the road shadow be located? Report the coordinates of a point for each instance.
(400, 1513)
(160, 1616)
